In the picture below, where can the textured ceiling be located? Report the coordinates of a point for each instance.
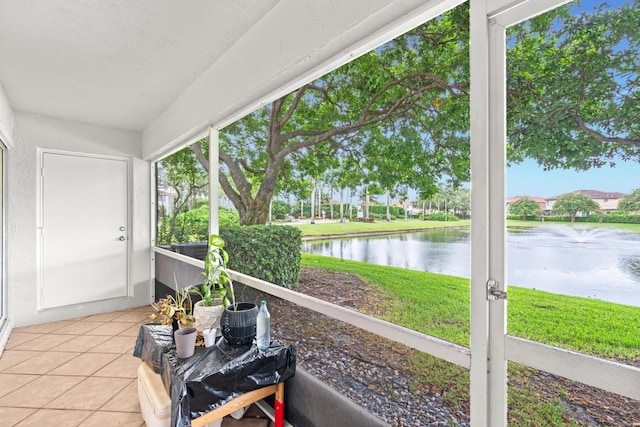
(115, 63)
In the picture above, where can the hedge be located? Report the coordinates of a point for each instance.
(267, 252)
(613, 218)
(439, 216)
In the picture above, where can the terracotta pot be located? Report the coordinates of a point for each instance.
(239, 325)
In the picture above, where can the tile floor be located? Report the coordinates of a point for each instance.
(78, 372)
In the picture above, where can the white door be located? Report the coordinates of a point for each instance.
(84, 228)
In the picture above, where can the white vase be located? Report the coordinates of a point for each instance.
(208, 317)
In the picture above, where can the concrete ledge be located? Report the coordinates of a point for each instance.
(311, 403)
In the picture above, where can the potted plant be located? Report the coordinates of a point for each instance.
(238, 320)
(217, 290)
(174, 310)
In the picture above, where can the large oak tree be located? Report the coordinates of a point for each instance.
(400, 114)
(405, 103)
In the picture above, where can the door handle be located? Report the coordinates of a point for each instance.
(121, 238)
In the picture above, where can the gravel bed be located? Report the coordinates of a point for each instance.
(361, 366)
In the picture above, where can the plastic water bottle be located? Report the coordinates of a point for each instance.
(263, 327)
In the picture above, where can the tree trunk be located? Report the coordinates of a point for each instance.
(388, 213)
(366, 202)
(313, 204)
(331, 201)
(573, 217)
(256, 213)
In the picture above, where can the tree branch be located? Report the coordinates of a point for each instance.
(605, 138)
(292, 108)
(248, 168)
(196, 149)
(240, 181)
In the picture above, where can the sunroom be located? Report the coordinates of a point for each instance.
(89, 90)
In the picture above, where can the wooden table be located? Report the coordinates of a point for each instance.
(244, 400)
(198, 385)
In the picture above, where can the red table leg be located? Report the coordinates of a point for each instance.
(278, 409)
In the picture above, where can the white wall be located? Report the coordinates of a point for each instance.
(6, 119)
(33, 132)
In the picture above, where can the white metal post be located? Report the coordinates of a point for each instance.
(497, 225)
(214, 167)
(479, 72)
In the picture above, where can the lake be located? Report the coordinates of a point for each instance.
(593, 263)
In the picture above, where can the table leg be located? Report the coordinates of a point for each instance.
(278, 410)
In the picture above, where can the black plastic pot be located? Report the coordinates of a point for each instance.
(238, 323)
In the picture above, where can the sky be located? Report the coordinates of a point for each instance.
(528, 179)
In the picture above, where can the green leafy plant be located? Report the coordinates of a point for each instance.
(218, 283)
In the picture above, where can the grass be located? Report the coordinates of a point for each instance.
(337, 228)
(440, 306)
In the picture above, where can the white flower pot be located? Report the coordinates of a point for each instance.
(208, 317)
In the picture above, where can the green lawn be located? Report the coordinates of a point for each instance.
(337, 228)
(440, 306)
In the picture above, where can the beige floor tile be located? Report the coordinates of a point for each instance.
(125, 366)
(85, 364)
(90, 394)
(11, 382)
(81, 343)
(125, 401)
(44, 343)
(12, 416)
(134, 316)
(118, 344)
(18, 338)
(44, 328)
(55, 417)
(13, 357)
(104, 418)
(42, 363)
(104, 317)
(39, 392)
(133, 331)
(144, 308)
(111, 328)
(78, 328)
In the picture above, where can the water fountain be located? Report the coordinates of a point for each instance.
(580, 234)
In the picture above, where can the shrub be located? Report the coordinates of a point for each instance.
(621, 217)
(381, 211)
(193, 225)
(439, 216)
(267, 252)
(228, 218)
(613, 217)
(527, 218)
